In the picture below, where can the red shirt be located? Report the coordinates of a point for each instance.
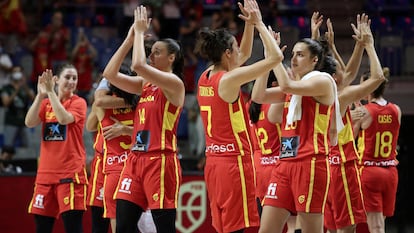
(12, 19)
(83, 63)
(116, 150)
(267, 134)
(155, 122)
(309, 135)
(58, 39)
(377, 144)
(62, 152)
(41, 57)
(226, 125)
(345, 150)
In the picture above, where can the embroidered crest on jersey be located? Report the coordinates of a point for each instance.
(54, 131)
(66, 200)
(289, 147)
(142, 141)
(155, 197)
(301, 199)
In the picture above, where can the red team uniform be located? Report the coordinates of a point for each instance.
(345, 201)
(61, 178)
(115, 154)
(96, 179)
(377, 147)
(152, 175)
(229, 171)
(300, 179)
(265, 157)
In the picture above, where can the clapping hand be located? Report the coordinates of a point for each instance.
(141, 20)
(250, 12)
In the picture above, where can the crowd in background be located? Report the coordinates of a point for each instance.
(38, 35)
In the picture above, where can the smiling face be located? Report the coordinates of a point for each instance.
(159, 57)
(302, 61)
(67, 81)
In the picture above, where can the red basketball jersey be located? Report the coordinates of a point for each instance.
(267, 134)
(116, 150)
(309, 135)
(345, 150)
(377, 144)
(227, 133)
(156, 121)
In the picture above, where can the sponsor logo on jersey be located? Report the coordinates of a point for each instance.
(271, 191)
(38, 202)
(125, 186)
(214, 148)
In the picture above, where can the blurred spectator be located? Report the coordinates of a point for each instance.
(270, 13)
(83, 56)
(196, 131)
(188, 34)
(224, 18)
(5, 65)
(193, 6)
(16, 98)
(6, 156)
(59, 38)
(155, 27)
(169, 19)
(41, 57)
(12, 23)
(128, 7)
(83, 23)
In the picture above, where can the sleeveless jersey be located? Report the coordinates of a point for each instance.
(267, 134)
(155, 122)
(116, 150)
(227, 133)
(377, 144)
(62, 152)
(309, 135)
(345, 150)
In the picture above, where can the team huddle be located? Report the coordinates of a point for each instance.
(301, 151)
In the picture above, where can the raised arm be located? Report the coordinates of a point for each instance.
(260, 92)
(263, 94)
(230, 83)
(131, 84)
(169, 82)
(316, 22)
(32, 118)
(352, 67)
(330, 36)
(353, 93)
(246, 44)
